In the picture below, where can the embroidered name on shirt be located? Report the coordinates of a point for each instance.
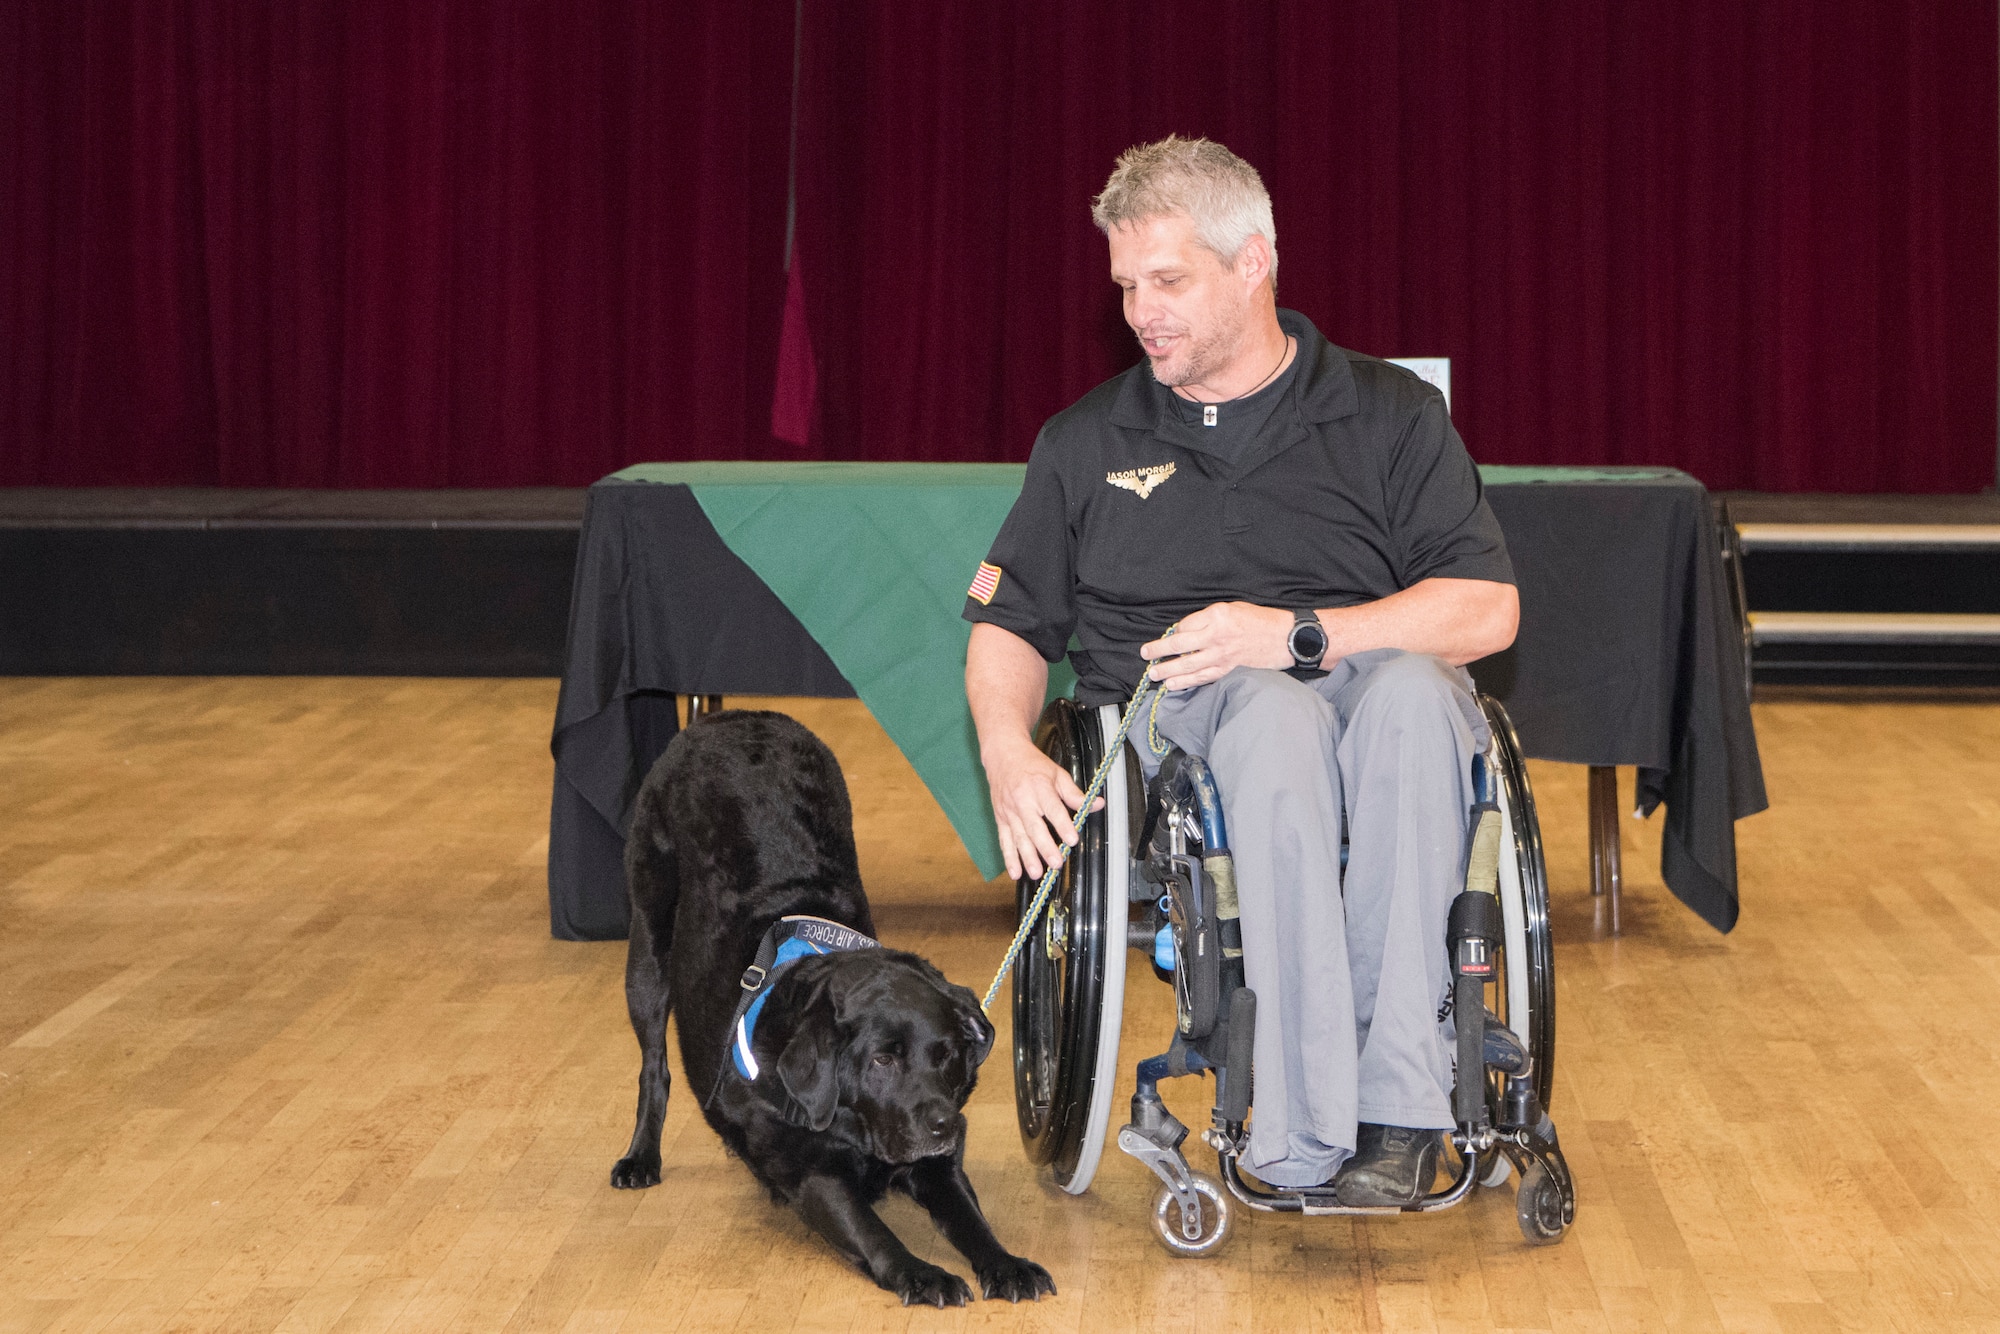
(984, 584)
(1142, 480)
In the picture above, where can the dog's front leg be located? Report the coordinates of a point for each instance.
(839, 1214)
(942, 1188)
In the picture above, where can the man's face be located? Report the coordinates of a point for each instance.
(1187, 306)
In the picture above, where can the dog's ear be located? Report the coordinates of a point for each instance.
(808, 1064)
(807, 1071)
(978, 1028)
(973, 1024)
(972, 1021)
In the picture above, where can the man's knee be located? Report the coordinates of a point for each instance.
(1268, 729)
(1272, 705)
(1410, 686)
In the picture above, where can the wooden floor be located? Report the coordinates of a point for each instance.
(285, 1045)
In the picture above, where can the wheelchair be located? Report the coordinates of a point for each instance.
(1151, 877)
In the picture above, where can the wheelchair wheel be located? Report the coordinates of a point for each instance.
(1069, 982)
(1216, 1219)
(1538, 1208)
(1526, 1000)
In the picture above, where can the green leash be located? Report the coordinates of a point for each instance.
(1113, 754)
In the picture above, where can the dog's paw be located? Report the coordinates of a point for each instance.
(637, 1172)
(926, 1285)
(1015, 1279)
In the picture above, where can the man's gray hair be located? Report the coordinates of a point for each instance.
(1218, 191)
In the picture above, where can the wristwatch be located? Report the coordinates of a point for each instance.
(1307, 640)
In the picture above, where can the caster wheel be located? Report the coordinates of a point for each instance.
(1496, 1172)
(1216, 1219)
(1539, 1207)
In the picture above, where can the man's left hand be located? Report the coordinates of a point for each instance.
(1218, 639)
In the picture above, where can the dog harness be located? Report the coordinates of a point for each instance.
(789, 940)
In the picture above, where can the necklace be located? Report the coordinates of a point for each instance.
(1208, 414)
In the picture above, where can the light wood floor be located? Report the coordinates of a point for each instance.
(284, 1045)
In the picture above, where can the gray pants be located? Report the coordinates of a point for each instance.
(1349, 976)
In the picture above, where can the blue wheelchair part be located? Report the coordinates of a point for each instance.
(1186, 861)
(1208, 802)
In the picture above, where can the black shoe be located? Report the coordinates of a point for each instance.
(1502, 1050)
(1391, 1167)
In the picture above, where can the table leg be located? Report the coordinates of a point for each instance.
(1606, 870)
(697, 705)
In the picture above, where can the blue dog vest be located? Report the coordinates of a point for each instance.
(789, 940)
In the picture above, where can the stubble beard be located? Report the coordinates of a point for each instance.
(1205, 356)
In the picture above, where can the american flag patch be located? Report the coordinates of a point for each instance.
(984, 584)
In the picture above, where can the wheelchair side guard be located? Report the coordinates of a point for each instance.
(1198, 944)
(1192, 939)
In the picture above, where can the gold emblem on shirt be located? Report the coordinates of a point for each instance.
(1142, 480)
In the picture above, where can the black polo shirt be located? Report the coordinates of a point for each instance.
(1356, 488)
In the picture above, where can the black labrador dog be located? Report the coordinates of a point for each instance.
(844, 1076)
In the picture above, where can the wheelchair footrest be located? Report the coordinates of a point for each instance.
(1321, 1200)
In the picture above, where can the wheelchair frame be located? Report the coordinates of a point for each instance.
(1069, 997)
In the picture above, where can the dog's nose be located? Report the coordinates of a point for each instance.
(940, 1121)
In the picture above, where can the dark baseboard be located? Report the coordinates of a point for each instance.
(305, 583)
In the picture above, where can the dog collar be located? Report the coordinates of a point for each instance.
(789, 940)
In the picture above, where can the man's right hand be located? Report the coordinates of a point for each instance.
(1034, 804)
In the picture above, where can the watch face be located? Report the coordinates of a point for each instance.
(1308, 641)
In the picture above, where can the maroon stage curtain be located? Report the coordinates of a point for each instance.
(387, 243)
(426, 244)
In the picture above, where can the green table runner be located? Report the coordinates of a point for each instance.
(874, 560)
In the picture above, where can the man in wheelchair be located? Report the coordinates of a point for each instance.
(1310, 522)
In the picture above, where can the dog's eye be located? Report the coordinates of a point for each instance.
(883, 1058)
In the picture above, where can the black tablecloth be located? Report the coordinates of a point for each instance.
(1628, 653)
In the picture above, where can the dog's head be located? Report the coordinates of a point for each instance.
(880, 1042)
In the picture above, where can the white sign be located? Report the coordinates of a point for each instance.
(1431, 370)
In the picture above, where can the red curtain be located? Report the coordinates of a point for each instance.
(423, 244)
(385, 243)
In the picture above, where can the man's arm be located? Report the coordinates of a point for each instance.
(1034, 798)
(1459, 620)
